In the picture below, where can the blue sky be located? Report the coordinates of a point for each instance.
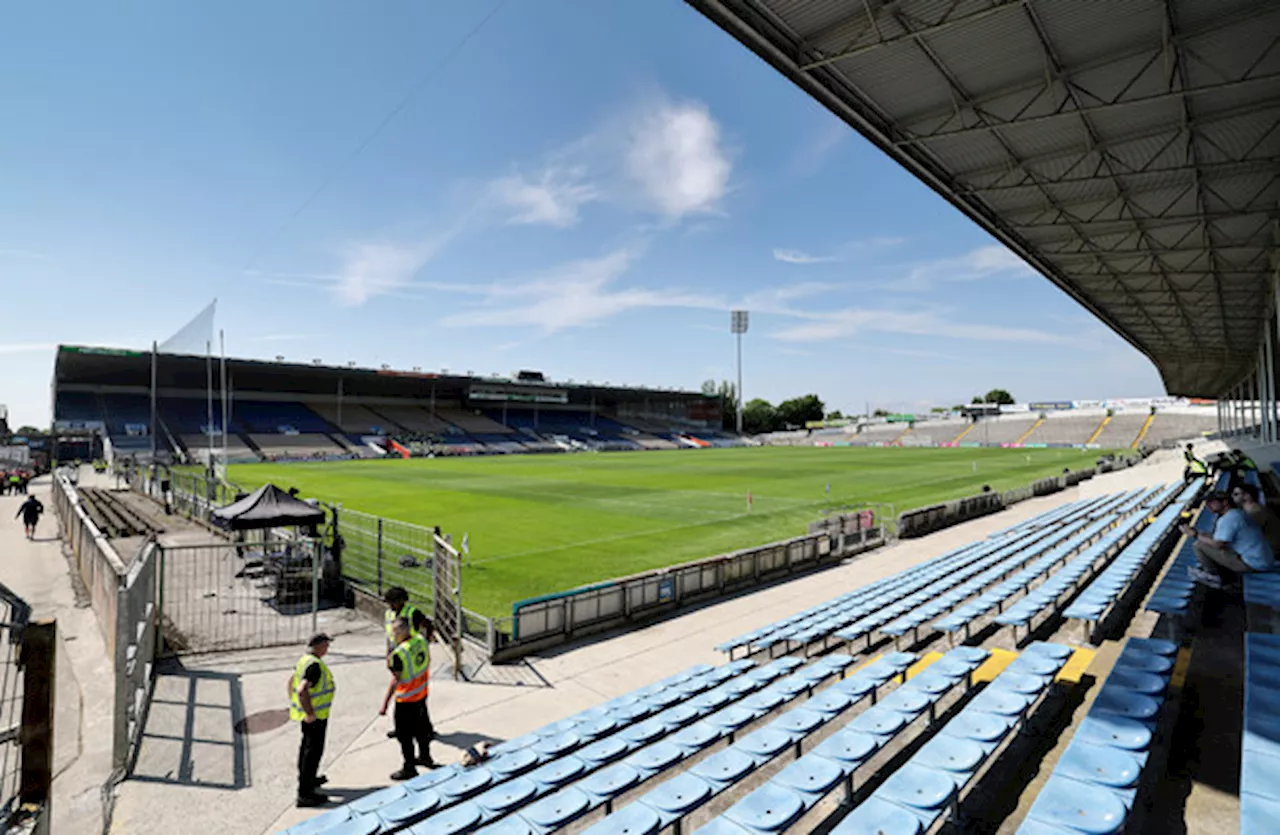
(579, 187)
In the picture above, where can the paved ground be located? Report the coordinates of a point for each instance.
(82, 719)
(220, 754)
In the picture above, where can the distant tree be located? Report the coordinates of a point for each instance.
(798, 411)
(957, 407)
(879, 413)
(28, 430)
(937, 410)
(728, 403)
(835, 414)
(997, 396)
(759, 416)
(709, 388)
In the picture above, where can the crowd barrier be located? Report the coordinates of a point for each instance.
(544, 621)
(125, 604)
(926, 520)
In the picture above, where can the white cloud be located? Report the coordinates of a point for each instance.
(575, 294)
(552, 198)
(826, 326)
(992, 261)
(796, 256)
(675, 156)
(25, 347)
(375, 269)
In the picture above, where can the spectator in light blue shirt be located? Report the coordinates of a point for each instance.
(1237, 545)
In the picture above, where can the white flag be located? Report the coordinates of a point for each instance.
(465, 548)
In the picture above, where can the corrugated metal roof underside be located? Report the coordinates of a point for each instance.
(1129, 149)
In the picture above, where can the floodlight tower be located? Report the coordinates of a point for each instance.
(738, 326)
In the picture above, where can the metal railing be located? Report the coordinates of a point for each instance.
(27, 656)
(378, 553)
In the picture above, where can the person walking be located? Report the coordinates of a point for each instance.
(311, 691)
(30, 511)
(410, 665)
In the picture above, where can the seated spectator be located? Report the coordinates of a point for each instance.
(1246, 497)
(1237, 545)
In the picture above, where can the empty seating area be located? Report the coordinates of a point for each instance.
(1170, 427)
(879, 433)
(355, 419)
(473, 422)
(1121, 431)
(1005, 429)
(1260, 747)
(1068, 429)
(297, 446)
(935, 432)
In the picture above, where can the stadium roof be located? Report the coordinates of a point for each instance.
(1129, 150)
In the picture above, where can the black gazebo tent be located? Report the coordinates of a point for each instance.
(267, 507)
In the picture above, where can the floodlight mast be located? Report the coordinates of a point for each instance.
(738, 321)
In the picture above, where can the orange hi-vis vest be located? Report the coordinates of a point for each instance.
(415, 669)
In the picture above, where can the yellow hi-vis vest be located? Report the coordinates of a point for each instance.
(415, 669)
(1193, 463)
(321, 693)
(408, 612)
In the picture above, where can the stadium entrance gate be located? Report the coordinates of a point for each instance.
(219, 596)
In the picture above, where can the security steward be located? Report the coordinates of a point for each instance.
(398, 606)
(1195, 468)
(310, 699)
(410, 664)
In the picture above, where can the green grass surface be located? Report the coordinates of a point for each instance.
(545, 523)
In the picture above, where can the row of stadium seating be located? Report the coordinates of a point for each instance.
(282, 429)
(1119, 431)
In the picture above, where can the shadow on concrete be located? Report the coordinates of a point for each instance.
(190, 737)
(465, 739)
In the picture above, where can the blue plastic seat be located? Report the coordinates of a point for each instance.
(848, 748)
(830, 701)
(373, 801)
(643, 732)
(763, 701)
(811, 775)
(1078, 807)
(507, 795)
(1114, 731)
(556, 744)
(321, 822)
(1260, 774)
(907, 701)
(513, 763)
(878, 817)
(632, 819)
(679, 715)
(654, 758)
(1138, 681)
(950, 753)
(678, 796)
(696, 737)
(766, 742)
(724, 767)
(1004, 702)
(510, 825)
(917, 787)
(769, 808)
(1259, 815)
(558, 772)
(555, 810)
(1096, 764)
(878, 722)
(1142, 660)
(934, 682)
(1018, 683)
(799, 721)
(710, 700)
(610, 782)
(1124, 702)
(458, 818)
(604, 751)
(980, 727)
(732, 717)
(411, 807)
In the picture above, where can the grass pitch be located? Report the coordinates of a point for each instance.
(545, 523)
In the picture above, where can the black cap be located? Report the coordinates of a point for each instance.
(395, 593)
(319, 638)
(1220, 495)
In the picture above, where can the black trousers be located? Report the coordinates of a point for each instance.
(413, 724)
(309, 754)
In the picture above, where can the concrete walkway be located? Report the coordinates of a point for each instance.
(220, 753)
(37, 571)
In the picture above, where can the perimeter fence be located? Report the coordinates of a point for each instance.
(27, 656)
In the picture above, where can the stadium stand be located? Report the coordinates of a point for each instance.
(1170, 427)
(416, 419)
(934, 432)
(1068, 428)
(879, 433)
(1005, 429)
(1095, 783)
(1121, 430)
(474, 422)
(356, 419)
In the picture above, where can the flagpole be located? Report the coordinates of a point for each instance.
(208, 366)
(222, 347)
(152, 427)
